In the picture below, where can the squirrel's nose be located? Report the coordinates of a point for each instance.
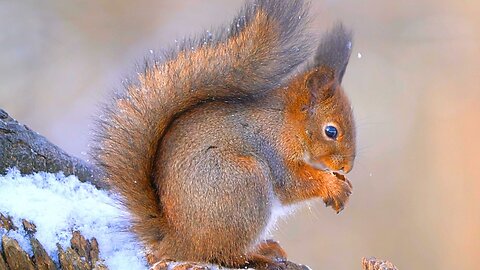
(347, 168)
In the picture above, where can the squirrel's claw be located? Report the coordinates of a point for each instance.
(328, 202)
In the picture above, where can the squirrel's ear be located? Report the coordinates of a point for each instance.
(321, 83)
(334, 51)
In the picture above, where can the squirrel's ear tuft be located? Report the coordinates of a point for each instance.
(334, 51)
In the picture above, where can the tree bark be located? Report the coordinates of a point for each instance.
(30, 152)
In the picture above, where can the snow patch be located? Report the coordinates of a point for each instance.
(57, 205)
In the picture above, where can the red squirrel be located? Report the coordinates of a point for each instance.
(226, 129)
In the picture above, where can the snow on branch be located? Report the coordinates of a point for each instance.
(29, 152)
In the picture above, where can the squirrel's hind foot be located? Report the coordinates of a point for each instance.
(271, 249)
(269, 255)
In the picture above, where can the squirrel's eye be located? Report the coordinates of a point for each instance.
(331, 132)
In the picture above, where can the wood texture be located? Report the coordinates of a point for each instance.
(30, 152)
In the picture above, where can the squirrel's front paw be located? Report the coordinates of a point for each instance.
(338, 189)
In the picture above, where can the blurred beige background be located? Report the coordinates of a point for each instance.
(415, 89)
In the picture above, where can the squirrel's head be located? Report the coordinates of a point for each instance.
(330, 127)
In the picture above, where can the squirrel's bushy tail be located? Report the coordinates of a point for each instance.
(264, 44)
